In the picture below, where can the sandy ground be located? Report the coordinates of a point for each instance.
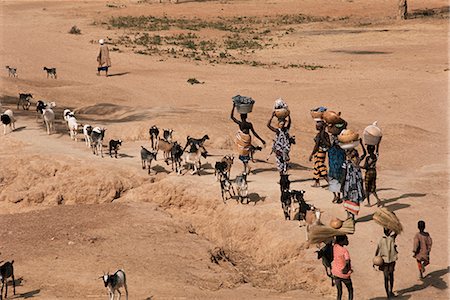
(67, 215)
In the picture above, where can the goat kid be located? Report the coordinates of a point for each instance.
(8, 119)
(12, 72)
(87, 130)
(147, 157)
(25, 101)
(114, 145)
(50, 72)
(114, 282)
(242, 187)
(7, 271)
(154, 135)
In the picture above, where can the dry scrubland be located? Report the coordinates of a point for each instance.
(68, 215)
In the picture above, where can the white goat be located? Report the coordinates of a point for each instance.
(87, 130)
(73, 127)
(49, 118)
(242, 187)
(193, 158)
(312, 218)
(7, 118)
(114, 283)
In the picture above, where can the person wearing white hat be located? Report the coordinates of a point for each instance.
(104, 62)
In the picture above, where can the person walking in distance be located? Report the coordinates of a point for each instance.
(104, 62)
(341, 267)
(422, 248)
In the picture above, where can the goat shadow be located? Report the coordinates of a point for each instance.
(29, 294)
(160, 169)
(123, 155)
(252, 197)
(21, 128)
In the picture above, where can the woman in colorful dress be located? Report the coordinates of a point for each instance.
(352, 186)
(319, 154)
(282, 144)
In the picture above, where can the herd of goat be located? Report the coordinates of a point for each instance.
(292, 201)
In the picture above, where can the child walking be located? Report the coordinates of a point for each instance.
(422, 248)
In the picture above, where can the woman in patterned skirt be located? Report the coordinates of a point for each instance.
(319, 154)
(352, 186)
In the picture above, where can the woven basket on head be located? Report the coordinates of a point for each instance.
(388, 220)
(348, 226)
(320, 233)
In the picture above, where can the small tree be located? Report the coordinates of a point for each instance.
(74, 30)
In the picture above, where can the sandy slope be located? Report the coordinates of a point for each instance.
(168, 224)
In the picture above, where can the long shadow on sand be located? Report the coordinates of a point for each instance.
(118, 74)
(433, 279)
(392, 207)
(29, 294)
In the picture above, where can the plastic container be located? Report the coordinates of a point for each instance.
(244, 108)
(372, 134)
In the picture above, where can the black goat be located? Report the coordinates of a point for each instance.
(326, 254)
(285, 198)
(114, 146)
(196, 143)
(176, 154)
(154, 135)
(220, 170)
(24, 99)
(50, 72)
(6, 271)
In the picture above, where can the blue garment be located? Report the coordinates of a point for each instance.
(336, 158)
(244, 158)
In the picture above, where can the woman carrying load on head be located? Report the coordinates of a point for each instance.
(336, 158)
(352, 186)
(244, 139)
(319, 153)
(282, 143)
(370, 178)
